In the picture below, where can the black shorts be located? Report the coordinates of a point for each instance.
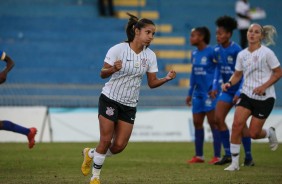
(115, 111)
(260, 108)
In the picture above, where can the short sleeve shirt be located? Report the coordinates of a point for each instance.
(124, 85)
(257, 69)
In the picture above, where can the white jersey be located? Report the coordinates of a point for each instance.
(242, 8)
(124, 85)
(257, 69)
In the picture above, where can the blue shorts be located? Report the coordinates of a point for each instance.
(203, 104)
(226, 97)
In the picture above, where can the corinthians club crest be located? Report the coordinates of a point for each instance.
(110, 111)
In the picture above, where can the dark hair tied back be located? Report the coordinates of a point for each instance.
(135, 23)
(205, 32)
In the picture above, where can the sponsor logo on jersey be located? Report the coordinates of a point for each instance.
(230, 60)
(204, 60)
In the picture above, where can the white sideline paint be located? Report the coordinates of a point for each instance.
(81, 124)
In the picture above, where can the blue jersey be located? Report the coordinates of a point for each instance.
(226, 60)
(203, 71)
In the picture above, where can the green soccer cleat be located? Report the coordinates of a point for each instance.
(86, 165)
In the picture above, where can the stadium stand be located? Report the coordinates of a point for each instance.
(59, 47)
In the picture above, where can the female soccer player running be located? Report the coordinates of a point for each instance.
(8, 125)
(261, 69)
(226, 52)
(201, 81)
(126, 63)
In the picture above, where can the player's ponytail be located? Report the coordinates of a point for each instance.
(269, 32)
(130, 29)
(135, 23)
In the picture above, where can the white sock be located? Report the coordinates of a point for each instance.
(267, 133)
(91, 152)
(98, 163)
(235, 152)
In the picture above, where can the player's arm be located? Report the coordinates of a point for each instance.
(108, 69)
(154, 82)
(234, 79)
(9, 65)
(215, 85)
(276, 75)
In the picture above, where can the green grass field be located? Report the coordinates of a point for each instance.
(146, 163)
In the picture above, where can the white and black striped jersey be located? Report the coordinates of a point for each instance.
(257, 69)
(124, 85)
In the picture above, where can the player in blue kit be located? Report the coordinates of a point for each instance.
(226, 52)
(201, 82)
(8, 125)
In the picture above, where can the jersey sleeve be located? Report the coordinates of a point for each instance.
(272, 60)
(112, 55)
(153, 65)
(2, 55)
(238, 65)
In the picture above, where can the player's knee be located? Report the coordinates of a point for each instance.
(118, 147)
(237, 128)
(198, 125)
(220, 123)
(105, 142)
(254, 135)
(218, 119)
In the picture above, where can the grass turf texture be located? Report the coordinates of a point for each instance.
(150, 163)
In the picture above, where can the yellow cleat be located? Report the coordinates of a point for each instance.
(86, 165)
(95, 181)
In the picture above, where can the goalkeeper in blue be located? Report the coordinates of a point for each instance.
(8, 125)
(226, 52)
(201, 82)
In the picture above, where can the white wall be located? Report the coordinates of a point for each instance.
(27, 117)
(81, 124)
